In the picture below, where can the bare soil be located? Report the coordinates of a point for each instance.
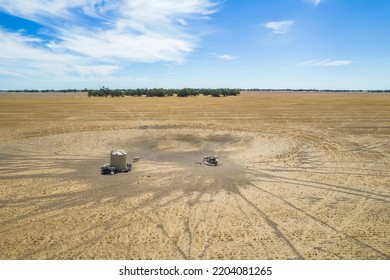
(304, 176)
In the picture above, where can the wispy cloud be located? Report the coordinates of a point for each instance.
(11, 74)
(227, 57)
(326, 63)
(280, 27)
(21, 54)
(96, 70)
(314, 2)
(96, 37)
(223, 56)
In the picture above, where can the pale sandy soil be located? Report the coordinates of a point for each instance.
(304, 176)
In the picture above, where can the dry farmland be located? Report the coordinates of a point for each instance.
(304, 176)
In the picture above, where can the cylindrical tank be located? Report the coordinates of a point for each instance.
(118, 159)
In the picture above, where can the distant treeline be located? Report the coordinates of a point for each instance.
(161, 92)
(103, 91)
(318, 90)
(45, 90)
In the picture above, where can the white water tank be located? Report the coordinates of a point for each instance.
(118, 159)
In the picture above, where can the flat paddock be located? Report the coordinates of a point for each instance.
(304, 176)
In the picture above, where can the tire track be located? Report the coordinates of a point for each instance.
(322, 222)
(324, 186)
(272, 225)
(253, 227)
(209, 241)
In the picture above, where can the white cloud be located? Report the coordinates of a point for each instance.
(119, 45)
(314, 2)
(97, 37)
(22, 58)
(280, 27)
(222, 56)
(182, 21)
(21, 54)
(11, 73)
(326, 62)
(96, 70)
(227, 57)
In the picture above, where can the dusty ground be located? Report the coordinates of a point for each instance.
(304, 176)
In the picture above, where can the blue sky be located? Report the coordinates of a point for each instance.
(323, 44)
